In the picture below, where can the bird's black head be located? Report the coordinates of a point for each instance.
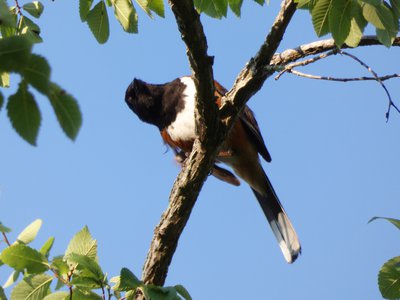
(144, 100)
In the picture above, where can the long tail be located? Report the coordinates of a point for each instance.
(281, 226)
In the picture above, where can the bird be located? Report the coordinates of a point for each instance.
(170, 107)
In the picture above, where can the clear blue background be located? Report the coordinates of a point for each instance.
(335, 162)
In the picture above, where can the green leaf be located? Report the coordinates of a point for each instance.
(3, 228)
(4, 79)
(395, 222)
(83, 243)
(80, 294)
(37, 73)
(183, 292)
(386, 37)
(35, 8)
(144, 5)
(357, 26)
(88, 266)
(6, 17)
(214, 8)
(2, 294)
(306, 4)
(32, 288)
(11, 279)
(126, 15)
(261, 2)
(381, 16)
(396, 7)
(97, 20)
(320, 19)
(66, 109)
(340, 16)
(157, 6)
(14, 53)
(30, 232)
(29, 29)
(127, 281)
(20, 257)
(57, 296)
(236, 6)
(84, 8)
(389, 279)
(45, 250)
(24, 114)
(87, 283)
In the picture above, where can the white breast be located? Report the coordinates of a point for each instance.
(183, 128)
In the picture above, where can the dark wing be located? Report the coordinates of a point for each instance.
(249, 123)
(251, 126)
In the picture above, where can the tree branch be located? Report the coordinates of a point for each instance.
(210, 131)
(190, 180)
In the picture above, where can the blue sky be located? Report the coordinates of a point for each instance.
(335, 162)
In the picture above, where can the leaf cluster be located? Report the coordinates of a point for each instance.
(19, 33)
(389, 275)
(347, 19)
(76, 274)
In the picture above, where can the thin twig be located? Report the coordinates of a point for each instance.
(303, 63)
(310, 76)
(391, 103)
(6, 239)
(18, 7)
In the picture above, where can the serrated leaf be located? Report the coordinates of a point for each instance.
(4, 79)
(379, 16)
(389, 279)
(320, 19)
(79, 294)
(83, 243)
(236, 6)
(21, 257)
(306, 4)
(24, 114)
(84, 8)
(2, 294)
(386, 37)
(154, 292)
(4, 228)
(14, 53)
(30, 232)
(396, 7)
(127, 281)
(213, 8)
(261, 2)
(35, 8)
(29, 29)
(97, 20)
(84, 282)
(157, 6)
(45, 250)
(32, 288)
(395, 222)
(57, 296)
(126, 15)
(6, 18)
(11, 279)
(37, 73)
(357, 26)
(60, 266)
(183, 292)
(144, 5)
(66, 109)
(340, 16)
(88, 266)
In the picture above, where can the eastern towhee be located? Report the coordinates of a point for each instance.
(170, 107)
